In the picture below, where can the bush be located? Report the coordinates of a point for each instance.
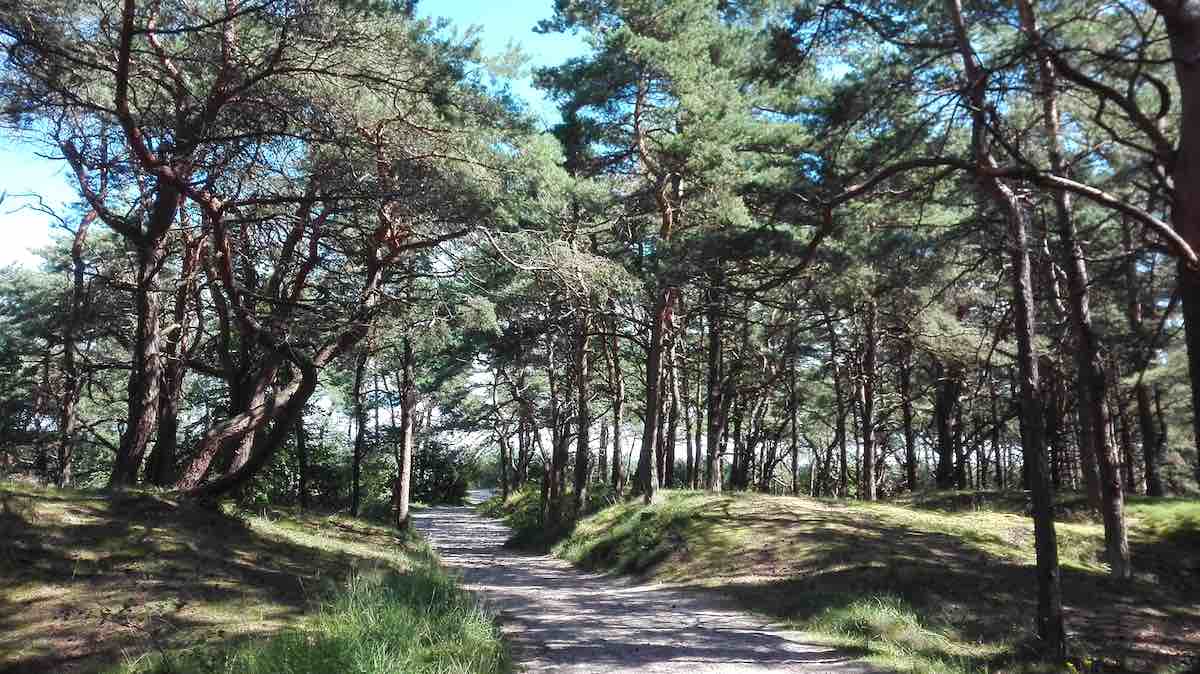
(441, 474)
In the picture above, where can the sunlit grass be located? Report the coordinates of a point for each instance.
(380, 623)
(93, 578)
(929, 588)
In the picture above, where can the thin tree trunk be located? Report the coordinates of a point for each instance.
(1093, 381)
(301, 462)
(906, 408)
(716, 419)
(72, 381)
(360, 435)
(144, 378)
(839, 401)
(583, 420)
(793, 418)
(943, 410)
(664, 305)
(693, 448)
(672, 416)
(1050, 614)
(1151, 442)
(867, 478)
(408, 403)
(617, 383)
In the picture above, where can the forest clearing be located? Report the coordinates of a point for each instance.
(868, 329)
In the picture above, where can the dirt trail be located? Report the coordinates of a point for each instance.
(561, 619)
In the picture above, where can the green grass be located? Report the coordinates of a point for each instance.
(139, 581)
(380, 623)
(1173, 520)
(915, 587)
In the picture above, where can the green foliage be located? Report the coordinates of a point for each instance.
(380, 623)
(633, 538)
(441, 474)
(522, 513)
(892, 633)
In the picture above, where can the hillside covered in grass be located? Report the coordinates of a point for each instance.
(937, 583)
(138, 583)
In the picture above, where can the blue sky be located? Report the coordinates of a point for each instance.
(23, 172)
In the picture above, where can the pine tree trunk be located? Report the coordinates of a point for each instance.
(693, 448)
(672, 417)
(1183, 29)
(72, 381)
(1189, 293)
(360, 434)
(661, 316)
(793, 417)
(716, 418)
(144, 378)
(906, 408)
(867, 477)
(943, 409)
(839, 402)
(1093, 381)
(1050, 613)
(583, 420)
(408, 403)
(301, 463)
(160, 469)
(602, 456)
(617, 383)
(1151, 443)
(1001, 482)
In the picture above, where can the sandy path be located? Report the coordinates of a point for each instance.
(561, 619)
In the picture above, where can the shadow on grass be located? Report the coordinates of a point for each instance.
(948, 601)
(89, 577)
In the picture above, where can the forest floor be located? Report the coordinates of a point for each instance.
(943, 583)
(136, 582)
(560, 619)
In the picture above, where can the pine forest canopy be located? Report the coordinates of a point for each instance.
(845, 249)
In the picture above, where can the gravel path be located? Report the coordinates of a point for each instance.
(561, 619)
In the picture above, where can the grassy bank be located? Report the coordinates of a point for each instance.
(138, 583)
(924, 586)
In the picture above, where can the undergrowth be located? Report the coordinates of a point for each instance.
(165, 586)
(382, 622)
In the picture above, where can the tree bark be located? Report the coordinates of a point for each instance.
(145, 376)
(301, 462)
(716, 418)
(867, 478)
(402, 488)
(72, 381)
(1093, 381)
(1050, 614)
(943, 411)
(1151, 443)
(906, 408)
(1182, 19)
(617, 384)
(672, 416)
(360, 433)
(661, 318)
(160, 469)
(583, 418)
(839, 402)
(793, 418)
